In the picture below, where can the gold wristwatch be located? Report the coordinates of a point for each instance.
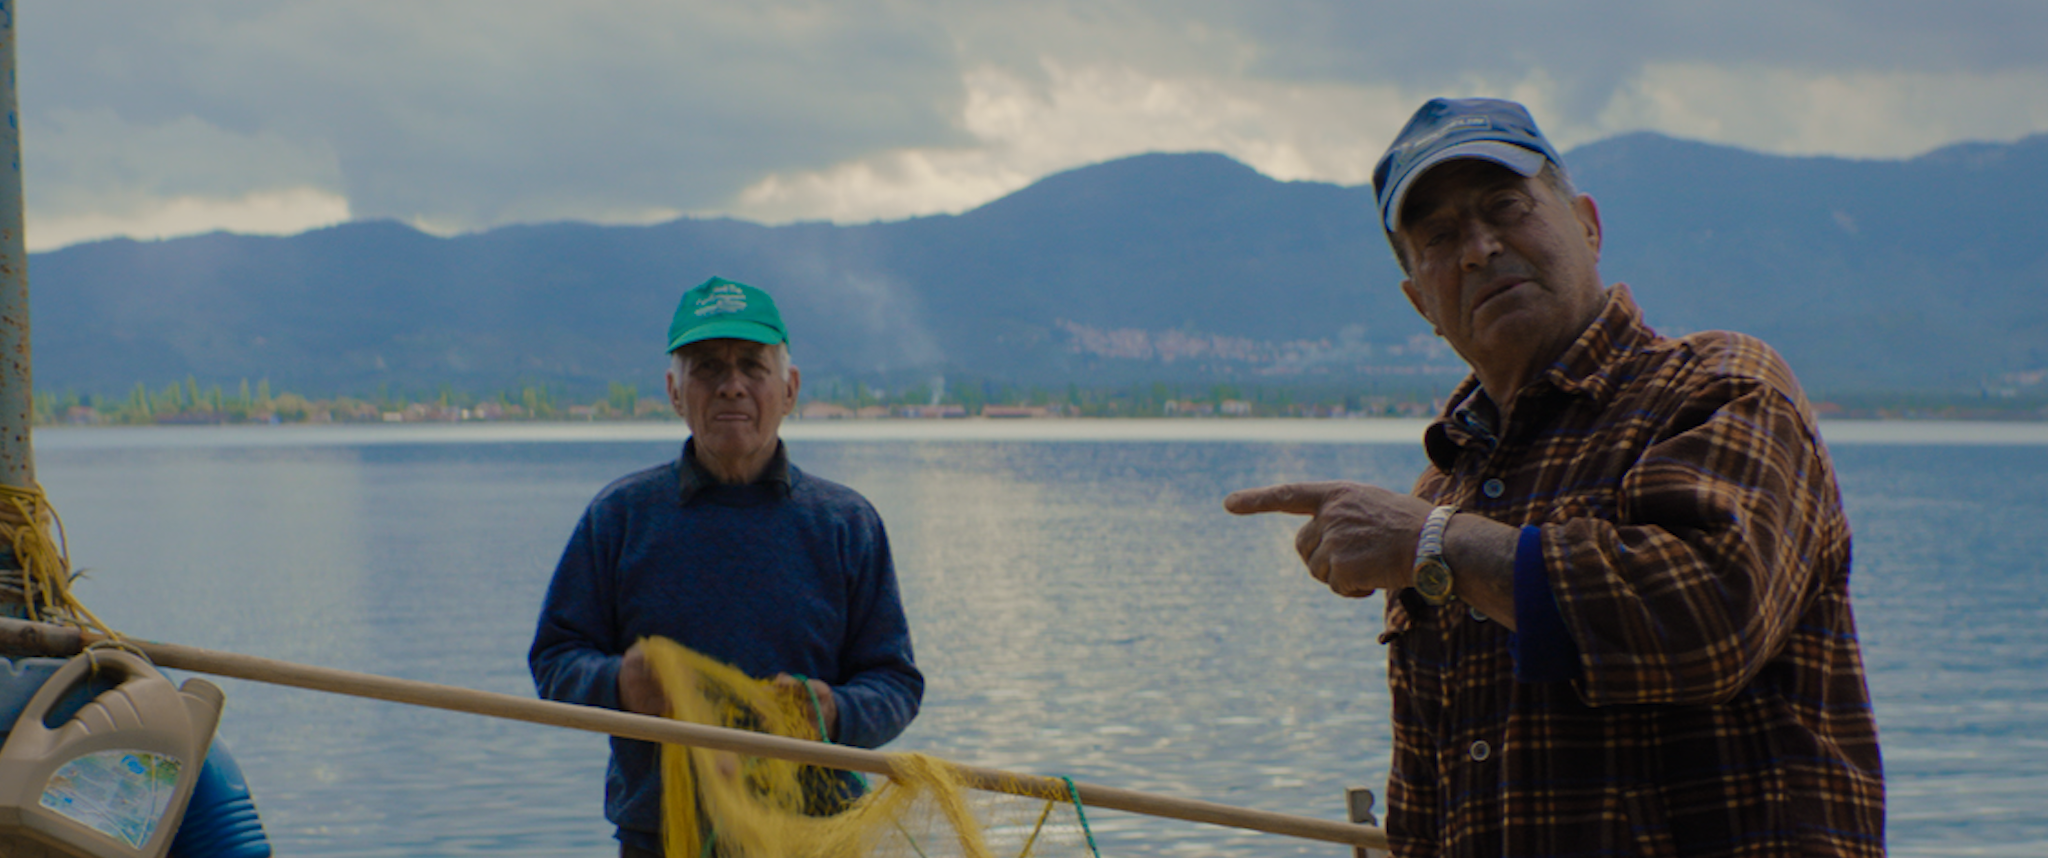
(1432, 575)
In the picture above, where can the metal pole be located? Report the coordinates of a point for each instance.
(1358, 800)
(17, 390)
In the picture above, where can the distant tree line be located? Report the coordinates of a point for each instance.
(190, 402)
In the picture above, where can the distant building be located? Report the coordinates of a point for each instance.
(825, 411)
(871, 412)
(1237, 408)
(931, 411)
(424, 412)
(1013, 411)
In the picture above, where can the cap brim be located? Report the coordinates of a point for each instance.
(1521, 159)
(729, 329)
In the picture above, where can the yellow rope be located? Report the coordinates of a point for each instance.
(26, 519)
(724, 804)
(1040, 826)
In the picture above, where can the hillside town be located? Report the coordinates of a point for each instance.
(190, 403)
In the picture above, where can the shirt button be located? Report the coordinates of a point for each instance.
(1493, 488)
(1481, 750)
(1478, 616)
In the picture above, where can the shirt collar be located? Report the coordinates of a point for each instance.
(1587, 368)
(692, 477)
(1467, 421)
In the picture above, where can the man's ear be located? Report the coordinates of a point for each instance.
(1415, 299)
(1588, 213)
(674, 379)
(796, 383)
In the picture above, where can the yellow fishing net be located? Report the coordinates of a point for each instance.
(722, 804)
(42, 562)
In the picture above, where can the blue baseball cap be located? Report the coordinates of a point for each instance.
(724, 309)
(1448, 128)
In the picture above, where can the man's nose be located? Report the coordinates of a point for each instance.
(732, 384)
(1482, 244)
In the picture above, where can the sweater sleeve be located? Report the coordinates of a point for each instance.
(1727, 528)
(576, 649)
(1541, 646)
(882, 687)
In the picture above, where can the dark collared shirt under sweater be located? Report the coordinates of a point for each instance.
(788, 574)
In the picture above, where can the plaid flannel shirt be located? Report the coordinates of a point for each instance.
(1686, 678)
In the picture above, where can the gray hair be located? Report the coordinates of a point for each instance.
(1559, 180)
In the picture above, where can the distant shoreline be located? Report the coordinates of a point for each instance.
(1279, 430)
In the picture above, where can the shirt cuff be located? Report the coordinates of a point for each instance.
(1542, 647)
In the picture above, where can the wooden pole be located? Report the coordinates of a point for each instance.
(48, 639)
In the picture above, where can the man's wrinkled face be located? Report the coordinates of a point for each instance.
(734, 394)
(1504, 266)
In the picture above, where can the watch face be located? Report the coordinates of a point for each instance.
(1433, 581)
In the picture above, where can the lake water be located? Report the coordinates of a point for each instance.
(1081, 606)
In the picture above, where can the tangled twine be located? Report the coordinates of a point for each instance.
(43, 585)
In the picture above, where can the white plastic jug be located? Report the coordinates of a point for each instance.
(111, 782)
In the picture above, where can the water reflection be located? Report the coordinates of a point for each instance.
(1954, 623)
(1090, 610)
(1083, 608)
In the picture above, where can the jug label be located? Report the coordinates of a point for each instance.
(122, 794)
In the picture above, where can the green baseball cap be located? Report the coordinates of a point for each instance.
(722, 309)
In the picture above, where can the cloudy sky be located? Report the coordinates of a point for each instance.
(151, 119)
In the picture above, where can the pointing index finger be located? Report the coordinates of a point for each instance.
(1297, 498)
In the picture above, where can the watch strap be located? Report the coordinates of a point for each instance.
(1433, 580)
(1431, 543)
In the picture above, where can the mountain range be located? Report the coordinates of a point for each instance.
(1925, 274)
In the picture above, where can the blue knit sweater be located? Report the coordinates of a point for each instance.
(790, 574)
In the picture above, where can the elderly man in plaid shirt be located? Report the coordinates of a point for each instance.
(1618, 616)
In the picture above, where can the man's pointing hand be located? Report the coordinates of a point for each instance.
(1359, 538)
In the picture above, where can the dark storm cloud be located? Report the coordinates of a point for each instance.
(459, 114)
(486, 111)
(1592, 47)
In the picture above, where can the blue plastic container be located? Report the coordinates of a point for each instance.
(220, 819)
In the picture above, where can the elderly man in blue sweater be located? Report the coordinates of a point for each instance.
(729, 550)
